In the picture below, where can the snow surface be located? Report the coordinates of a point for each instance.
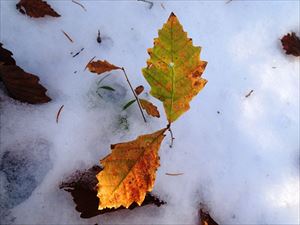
(241, 163)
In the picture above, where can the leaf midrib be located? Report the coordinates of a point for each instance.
(172, 74)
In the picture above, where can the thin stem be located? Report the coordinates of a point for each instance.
(136, 97)
(171, 133)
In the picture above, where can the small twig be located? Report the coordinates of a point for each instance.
(98, 37)
(171, 133)
(149, 2)
(174, 174)
(58, 113)
(78, 52)
(79, 5)
(136, 97)
(89, 62)
(70, 39)
(162, 5)
(229, 1)
(248, 95)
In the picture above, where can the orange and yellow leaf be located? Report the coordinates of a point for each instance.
(129, 171)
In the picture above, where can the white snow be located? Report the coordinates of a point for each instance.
(242, 163)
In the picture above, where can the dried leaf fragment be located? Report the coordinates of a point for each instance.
(82, 186)
(129, 171)
(100, 67)
(6, 57)
(150, 108)
(139, 89)
(205, 218)
(174, 69)
(291, 44)
(23, 86)
(36, 8)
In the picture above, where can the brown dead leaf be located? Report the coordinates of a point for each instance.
(205, 218)
(139, 89)
(19, 84)
(100, 67)
(6, 57)
(291, 44)
(150, 108)
(82, 186)
(36, 8)
(23, 86)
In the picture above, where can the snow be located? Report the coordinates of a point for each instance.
(241, 163)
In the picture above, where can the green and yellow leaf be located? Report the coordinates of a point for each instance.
(174, 69)
(129, 171)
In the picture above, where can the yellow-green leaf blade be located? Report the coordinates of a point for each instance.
(174, 69)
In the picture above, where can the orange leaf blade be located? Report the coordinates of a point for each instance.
(100, 67)
(129, 171)
(150, 108)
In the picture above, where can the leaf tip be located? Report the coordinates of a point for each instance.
(172, 15)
